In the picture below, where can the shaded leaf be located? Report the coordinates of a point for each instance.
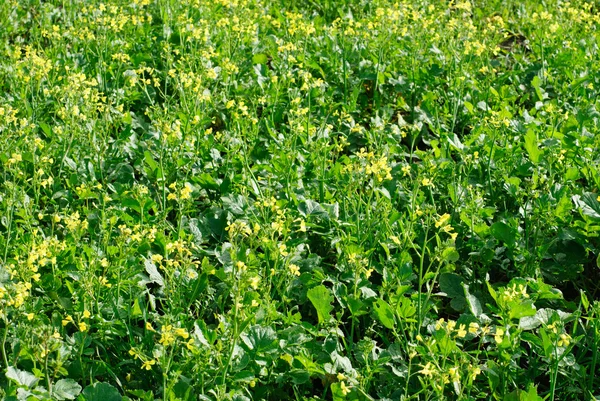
(321, 299)
(384, 313)
(66, 389)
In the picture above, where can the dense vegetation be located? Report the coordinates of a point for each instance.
(340, 200)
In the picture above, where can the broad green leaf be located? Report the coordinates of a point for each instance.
(259, 58)
(531, 146)
(311, 208)
(100, 392)
(588, 204)
(384, 313)
(260, 339)
(21, 377)
(450, 255)
(405, 308)
(136, 310)
(503, 232)
(522, 309)
(451, 284)
(321, 299)
(66, 389)
(153, 273)
(473, 302)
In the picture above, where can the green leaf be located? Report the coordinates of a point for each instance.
(522, 309)
(100, 392)
(21, 377)
(66, 389)
(260, 339)
(321, 299)
(451, 284)
(531, 146)
(260, 58)
(473, 302)
(522, 395)
(450, 255)
(384, 313)
(588, 204)
(153, 273)
(405, 308)
(310, 207)
(503, 232)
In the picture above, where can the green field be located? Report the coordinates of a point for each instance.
(299, 199)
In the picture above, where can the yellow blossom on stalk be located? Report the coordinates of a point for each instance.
(167, 338)
(185, 192)
(395, 239)
(86, 314)
(406, 170)
(254, 281)
(294, 269)
(428, 370)
(135, 353)
(67, 320)
(345, 389)
(450, 326)
(564, 340)
(30, 316)
(499, 336)
(473, 327)
(454, 374)
(426, 182)
(442, 220)
(149, 326)
(461, 332)
(475, 372)
(83, 327)
(182, 333)
(147, 365)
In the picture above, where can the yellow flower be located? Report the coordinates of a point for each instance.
(294, 269)
(254, 281)
(30, 316)
(148, 364)
(442, 220)
(167, 338)
(83, 327)
(426, 182)
(473, 327)
(428, 370)
(149, 326)
(406, 170)
(454, 374)
(461, 332)
(86, 314)
(499, 336)
(182, 333)
(564, 340)
(476, 371)
(67, 320)
(345, 389)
